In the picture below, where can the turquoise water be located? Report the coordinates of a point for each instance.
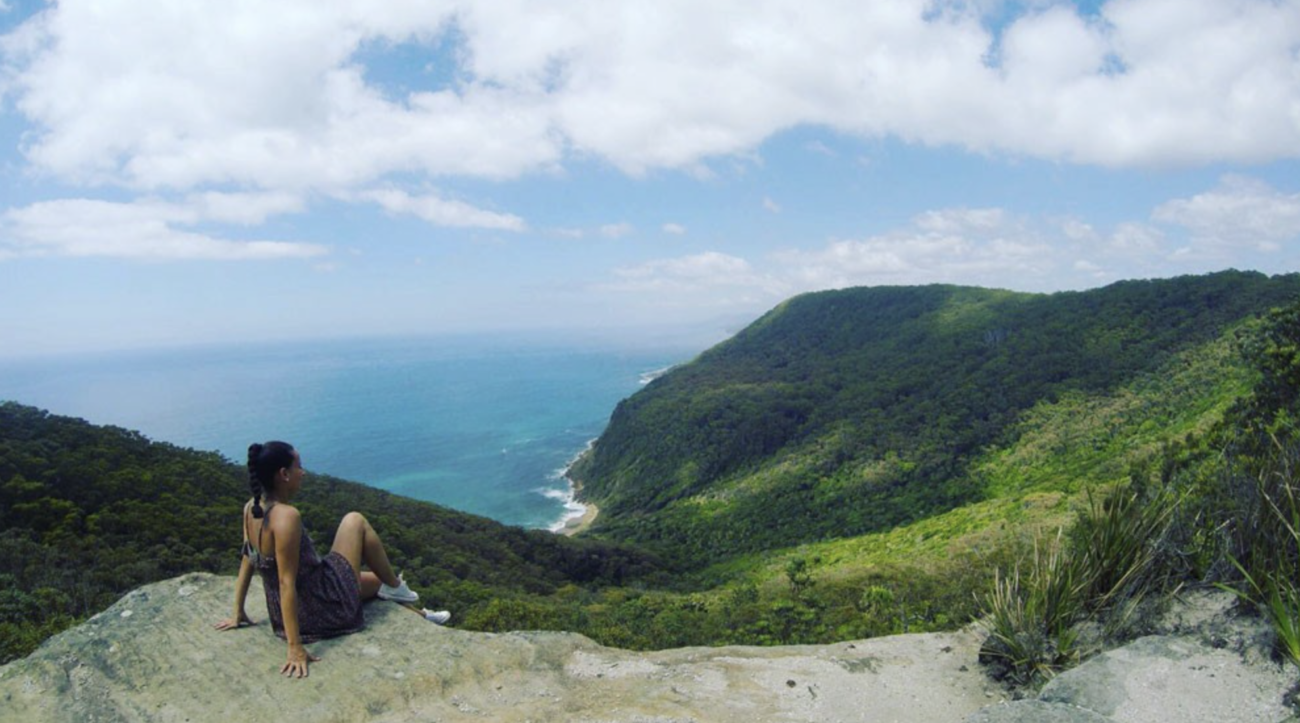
(481, 424)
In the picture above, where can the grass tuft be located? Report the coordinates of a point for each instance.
(1271, 579)
(1104, 567)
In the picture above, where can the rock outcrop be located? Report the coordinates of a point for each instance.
(154, 656)
(1208, 665)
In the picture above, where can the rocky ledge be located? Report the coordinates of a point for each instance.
(154, 656)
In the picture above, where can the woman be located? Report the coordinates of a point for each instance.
(308, 597)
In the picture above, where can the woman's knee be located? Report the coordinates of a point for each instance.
(354, 519)
(351, 527)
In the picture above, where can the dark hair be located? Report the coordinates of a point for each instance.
(264, 460)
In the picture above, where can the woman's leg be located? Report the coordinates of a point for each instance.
(358, 542)
(369, 585)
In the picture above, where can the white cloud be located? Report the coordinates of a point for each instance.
(1240, 213)
(689, 273)
(989, 247)
(442, 212)
(969, 246)
(771, 206)
(961, 220)
(983, 247)
(1133, 239)
(616, 230)
(1077, 230)
(886, 261)
(155, 94)
(676, 229)
(249, 209)
(175, 95)
(141, 230)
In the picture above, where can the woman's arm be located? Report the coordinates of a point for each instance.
(287, 528)
(240, 617)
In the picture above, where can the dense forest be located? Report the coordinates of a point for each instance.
(855, 463)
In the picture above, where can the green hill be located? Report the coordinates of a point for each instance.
(844, 413)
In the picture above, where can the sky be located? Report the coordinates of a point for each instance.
(178, 172)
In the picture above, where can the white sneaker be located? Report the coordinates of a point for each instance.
(401, 593)
(439, 617)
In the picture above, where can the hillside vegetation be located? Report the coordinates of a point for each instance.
(844, 413)
(855, 463)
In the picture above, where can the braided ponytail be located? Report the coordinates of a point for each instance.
(255, 484)
(264, 461)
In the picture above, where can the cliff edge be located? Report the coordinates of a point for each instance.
(154, 656)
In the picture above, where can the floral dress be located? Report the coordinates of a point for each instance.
(329, 595)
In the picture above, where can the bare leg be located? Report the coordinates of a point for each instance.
(357, 541)
(369, 585)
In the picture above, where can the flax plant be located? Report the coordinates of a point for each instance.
(1274, 586)
(1029, 615)
(1103, 568)
(1118, 545)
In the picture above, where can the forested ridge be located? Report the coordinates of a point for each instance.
(846, 412)
(854, 463)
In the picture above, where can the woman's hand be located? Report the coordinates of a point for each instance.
(298, 661)
(240, 621)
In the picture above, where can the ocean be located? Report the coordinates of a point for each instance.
(482, 424)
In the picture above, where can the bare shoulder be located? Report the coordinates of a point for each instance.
(286, 518)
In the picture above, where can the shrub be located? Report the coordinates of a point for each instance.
(1109, 562)
(1270, 578)
(1029, 615)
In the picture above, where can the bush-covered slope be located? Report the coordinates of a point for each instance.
(847, 412)
(88, 513)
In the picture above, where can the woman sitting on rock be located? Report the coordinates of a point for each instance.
(308, 597)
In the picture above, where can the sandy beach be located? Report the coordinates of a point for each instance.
(578, 524)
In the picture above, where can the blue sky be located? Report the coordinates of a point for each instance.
(192, 172)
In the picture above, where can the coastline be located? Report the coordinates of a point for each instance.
(582, 514)
(574, 525)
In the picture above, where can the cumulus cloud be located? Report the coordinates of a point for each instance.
(442, 212)
(676, 229)
(148, 229)
(975, 246)
(1240, 213)
(990, 247)
(162, 95)
(173, 95)
(971, 246)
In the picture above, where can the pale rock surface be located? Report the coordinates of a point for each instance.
(1207, 665)
(154, 656)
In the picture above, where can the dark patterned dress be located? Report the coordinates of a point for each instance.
(329, 596)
